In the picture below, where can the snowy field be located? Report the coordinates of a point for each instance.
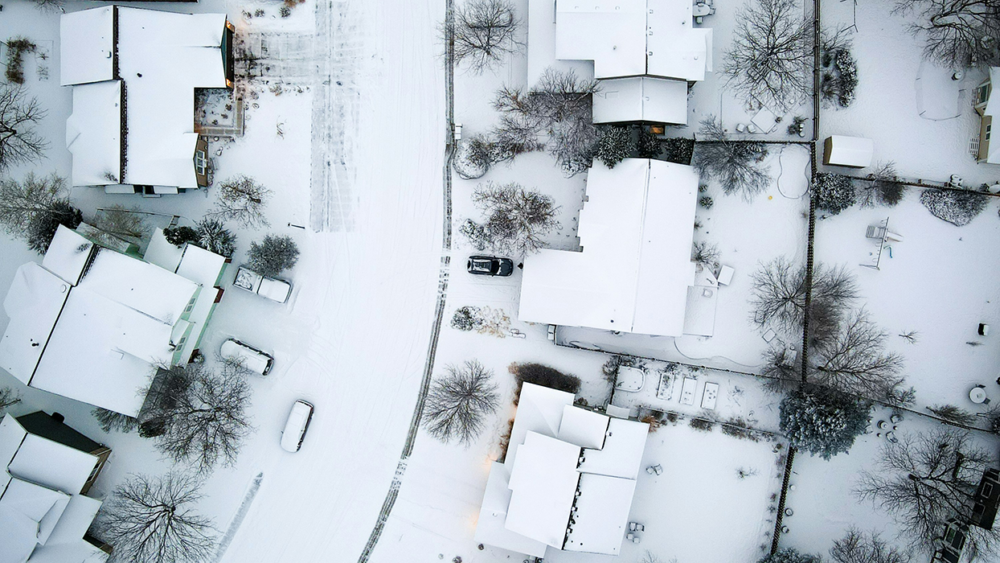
(938, 281)
(902, 98)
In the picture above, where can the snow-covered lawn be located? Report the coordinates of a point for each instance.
(939, 282)
(916, 114)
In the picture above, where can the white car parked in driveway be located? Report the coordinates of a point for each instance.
(252, 358)
(296, 426)
(271, 288)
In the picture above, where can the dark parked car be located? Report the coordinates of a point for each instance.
(490, 266)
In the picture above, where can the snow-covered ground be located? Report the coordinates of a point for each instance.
(917, 115)
(938, 282)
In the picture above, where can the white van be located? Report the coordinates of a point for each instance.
(252, 358)
(296, 426)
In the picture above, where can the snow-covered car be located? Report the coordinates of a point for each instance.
(490, 266)
(251, 358)
(296, 426)
(271, 288)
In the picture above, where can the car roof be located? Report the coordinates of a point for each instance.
(277, 290)
(295, 426)
(252, 359)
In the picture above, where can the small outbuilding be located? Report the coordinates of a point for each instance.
(987, 500)
(852, 152)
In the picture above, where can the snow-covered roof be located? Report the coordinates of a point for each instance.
(543, 482)
(33, 304)
(42, 516)
(138, 285)
(68, 255)
(162, 57)
(601, 514)
(94, 133)
(623, 37)
(162, 253)
(583, 428)
(539, 409)
(200, 265)
(542, 38)
(993, 103)
(86, 44)
(641, 98)
(639, 217)
(855, 152)
(529, 499)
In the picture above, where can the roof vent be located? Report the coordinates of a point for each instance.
(58, 417)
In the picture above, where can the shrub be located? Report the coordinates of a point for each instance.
(178, 236)
(706, 202)
(616, 362)
(483, 320)
(16, 48)
(790, 555)
(705, 254)
(649, 144)
(822, 421)
(702, 424)
(834, 192)
(476, 234)
(614, 145)
(957, 207)
(273, 255)
(678, 150)
(544, 376)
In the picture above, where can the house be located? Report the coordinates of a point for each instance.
(634, 272)
(93, 324)
(949, 546)
(44, 510)
(643, 52)
(134, 73)
(567, 480)
(987, 108)
(986, 500)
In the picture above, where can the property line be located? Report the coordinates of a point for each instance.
(393, 493)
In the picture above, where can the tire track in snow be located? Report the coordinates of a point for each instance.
(234, 526)
(443, 275)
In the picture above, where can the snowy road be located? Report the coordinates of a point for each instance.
(358, 329)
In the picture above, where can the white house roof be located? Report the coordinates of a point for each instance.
(539, 409)
(639, 217)
(623, 37)
(68, 255)
(601, 514)
(162, 253)
(622, 451)
(200, 265)
(94, 133)
(641, 98)
(162, 57)
(583, 428)
(490, 528)
(993, 103)
(86, 44)
(33, 304)
(52, 464)
(850, 151)
(543, 482)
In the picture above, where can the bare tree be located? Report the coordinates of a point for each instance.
(197, 415)
(771, 53)
(951, 413)
(779, 294)
(856, 361)
(21, 201)
(737, 165)
(882, 187)
(923, 481)
(516, 219)
(152, 520)
(861, 547)
(8, 398)
(114, 421)
(19, 143)
(459, 402)
(705, 254)
(560, 106)
(485, 32)
(123, 222)
(960, 33)
(242, 199)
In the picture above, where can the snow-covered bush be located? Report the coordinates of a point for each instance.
(882, 187)
(614, 145)
(706, 202)
(839, 76)
(215, 237)
(737, 165)
(273, 255)
(16, 48)
(702, 424)
(823, 421)
(544, 376)
(179, 236)
(678, 150)
(790, 555)
(476, 234)
(957, 207)
(615, 363)
(473, 157)
(649, 145)
(705, 254)
(484, 320)
(834, 192)
(458, 403)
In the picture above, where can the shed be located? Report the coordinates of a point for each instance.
(987, 500)
(852, 152)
